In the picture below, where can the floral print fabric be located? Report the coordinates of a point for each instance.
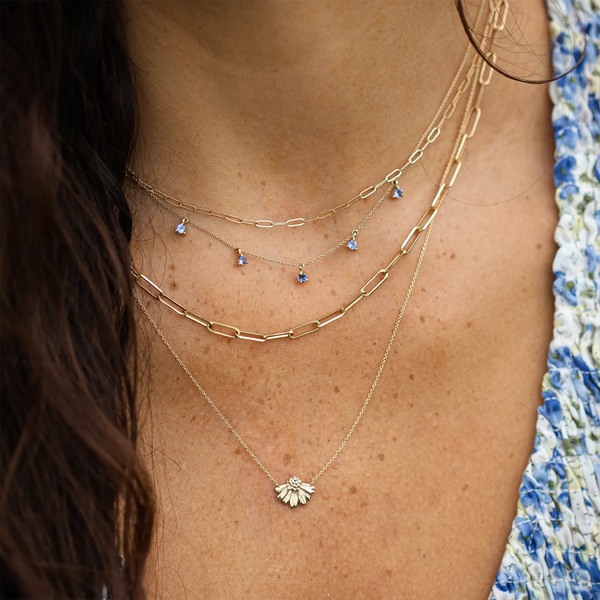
(553, 552)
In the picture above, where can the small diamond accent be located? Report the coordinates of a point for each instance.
(302, 278)
(181, 228)
(352, 244)
(398, 193)
(242, 260)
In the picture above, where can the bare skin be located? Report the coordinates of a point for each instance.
(278, 109)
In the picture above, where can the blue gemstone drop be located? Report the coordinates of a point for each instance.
(398, 193)
(352, 244)
(242, 260)
(302, 278)
(181, 228)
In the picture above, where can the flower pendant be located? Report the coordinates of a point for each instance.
(294, 491)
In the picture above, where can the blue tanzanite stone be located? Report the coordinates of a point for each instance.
(398, 193)
(242, 260)
(302, 278)
(352, 244)
(181, 228)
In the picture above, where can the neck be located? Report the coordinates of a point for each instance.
(279, 99)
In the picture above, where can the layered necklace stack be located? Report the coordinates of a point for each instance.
(294, 491)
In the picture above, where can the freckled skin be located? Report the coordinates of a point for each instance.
(429, 482)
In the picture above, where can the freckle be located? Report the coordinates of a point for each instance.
(279, 384)
(237, 451)
(394, 439)
(395, 396)
(364, 504)
(172, 267)
(173, 285)
(388, 571)
(263, 183)
(422, 319)
(321, 401)
(539, 246)
(336, 389)
(193, 419)
(410, 404)
(411, 377)
(444, 254)
(333, 293)
(423, 289)
(236, 523)
(464, 487)
(353, 489)
(206, 350)
(469, 324)
(424, 556)
(437, 414)
(453, 255)
(326, 236)
(261, 401)
(271, 313)
(287, 458)
(381, 456)
(239, 174)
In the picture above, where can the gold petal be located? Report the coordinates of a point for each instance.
(288, 495)
(302, 497)
(308, 488)
(294, 499)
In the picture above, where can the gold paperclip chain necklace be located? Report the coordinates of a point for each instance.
(294, 491)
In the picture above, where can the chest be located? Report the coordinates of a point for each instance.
(420, 502)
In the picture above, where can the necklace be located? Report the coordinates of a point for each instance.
(294, 491)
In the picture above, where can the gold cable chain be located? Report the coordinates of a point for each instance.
(430, 135)
(467, 130)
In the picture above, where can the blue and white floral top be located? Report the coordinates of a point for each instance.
(553, 552)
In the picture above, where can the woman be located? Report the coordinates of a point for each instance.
(445, 475)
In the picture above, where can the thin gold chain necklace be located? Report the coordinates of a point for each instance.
(242, 255)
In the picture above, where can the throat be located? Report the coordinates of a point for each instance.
(266, 104)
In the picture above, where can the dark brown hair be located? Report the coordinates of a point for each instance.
(74, 496)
